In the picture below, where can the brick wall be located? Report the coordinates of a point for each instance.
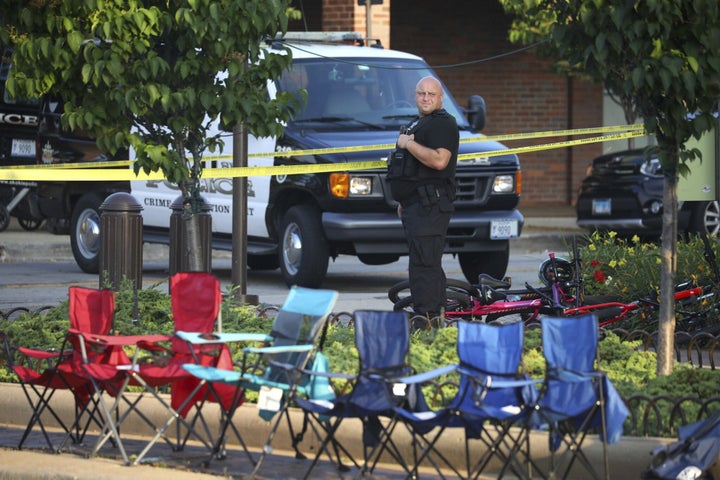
(521, 92)
(347, 15)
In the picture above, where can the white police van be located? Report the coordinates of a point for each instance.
(358, 96)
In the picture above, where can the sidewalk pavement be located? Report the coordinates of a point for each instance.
(628, 458)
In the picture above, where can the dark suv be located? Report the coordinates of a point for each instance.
(624, 192)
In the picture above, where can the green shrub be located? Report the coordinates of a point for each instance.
(631, 369)
(630, 270)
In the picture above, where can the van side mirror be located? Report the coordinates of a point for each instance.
(476, 112)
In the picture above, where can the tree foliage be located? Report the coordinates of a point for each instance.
(661, 58)
(144, 73)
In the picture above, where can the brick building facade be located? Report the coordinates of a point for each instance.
(466, 42)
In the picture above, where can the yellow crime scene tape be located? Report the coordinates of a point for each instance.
(108, 171)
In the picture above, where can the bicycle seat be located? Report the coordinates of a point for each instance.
(486, 280)
(489, 295)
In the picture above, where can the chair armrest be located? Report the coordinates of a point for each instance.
(571, 376)
(427, 376)
(206, 338)
(153, 347)
(117, 340)
(279, 349)
(213, 374)
(38, 354)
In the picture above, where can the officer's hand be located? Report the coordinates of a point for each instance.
(399, 211)
(404, 139)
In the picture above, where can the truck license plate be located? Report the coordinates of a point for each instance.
(22, 148)
(602, 206)
(503, 229)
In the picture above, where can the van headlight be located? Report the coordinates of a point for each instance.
(360, 185)
(343, 185)
(503, 184)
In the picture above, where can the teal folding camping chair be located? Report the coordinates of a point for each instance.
(275, 370)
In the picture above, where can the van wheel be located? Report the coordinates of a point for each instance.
(303, 252)
(705, 218)
(85, 232)
(493, 263)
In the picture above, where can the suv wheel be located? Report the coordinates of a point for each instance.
(85, 232)
(303, 252)
(492, 263)
(705, 218)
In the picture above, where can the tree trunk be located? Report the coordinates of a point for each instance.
(193, 240)
(666, 320)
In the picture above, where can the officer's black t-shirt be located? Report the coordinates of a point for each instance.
(406, 173)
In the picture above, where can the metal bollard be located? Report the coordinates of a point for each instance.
(121, 240)
(179, 258)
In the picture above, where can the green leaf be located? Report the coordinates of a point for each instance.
(87, 71)
(75, 40)
(637, 77)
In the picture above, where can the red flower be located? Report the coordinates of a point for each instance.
(595, 263)
(600, 276)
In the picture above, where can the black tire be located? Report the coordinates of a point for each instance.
(85, 232)
(493, 263)
(29, 224)
(4, 217)
(456, 301)
(263, 262)
(705, 218)
(303, 252)
(402, 289)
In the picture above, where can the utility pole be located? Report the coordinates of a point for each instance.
(239, 217)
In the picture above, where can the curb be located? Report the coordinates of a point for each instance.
(628, 458)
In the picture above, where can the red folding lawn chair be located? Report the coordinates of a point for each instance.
(156, 366)
(42, 373)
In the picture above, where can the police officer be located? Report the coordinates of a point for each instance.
(422, 180)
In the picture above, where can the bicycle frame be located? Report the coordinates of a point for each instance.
(532, 307)
(612, 312)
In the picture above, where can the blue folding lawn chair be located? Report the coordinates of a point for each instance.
(576, 398)
(383, 343)
(493, 397)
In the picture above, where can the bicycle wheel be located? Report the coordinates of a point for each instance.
(456, 302)
(401, 290)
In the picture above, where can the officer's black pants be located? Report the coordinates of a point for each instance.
(425, 230)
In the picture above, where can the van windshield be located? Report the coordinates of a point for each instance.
(375, 93)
